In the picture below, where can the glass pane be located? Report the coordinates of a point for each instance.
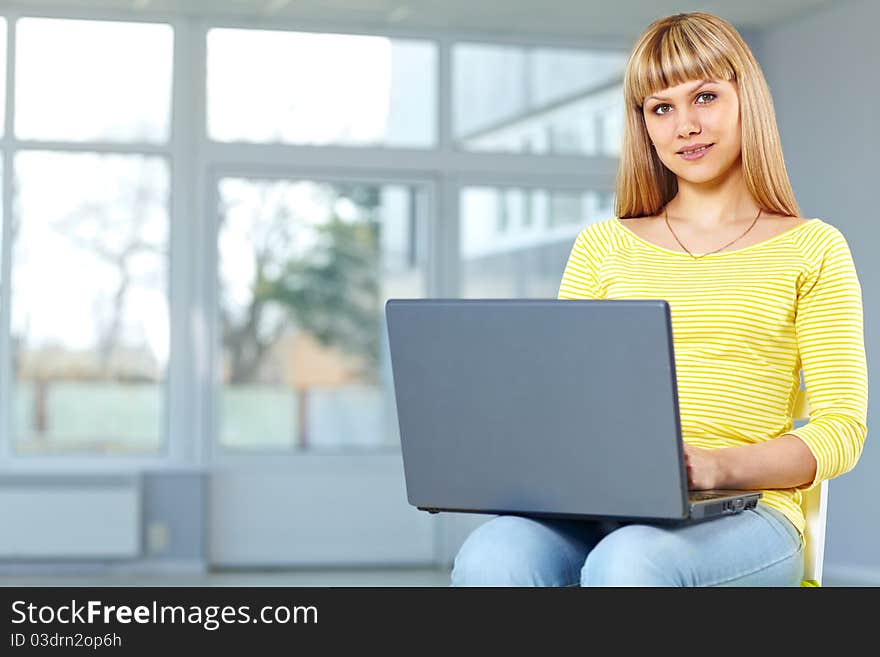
(93, 80)
(537, 100)
(2, 263)
(2, 75)
(300, 88)
(515, 242)
(305, 269)
(90, 326)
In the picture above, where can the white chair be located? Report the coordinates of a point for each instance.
(815, 508)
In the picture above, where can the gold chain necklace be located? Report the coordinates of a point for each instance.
(666, 217)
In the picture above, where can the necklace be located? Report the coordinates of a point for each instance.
(695, 257)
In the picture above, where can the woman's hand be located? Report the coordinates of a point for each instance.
(703, 468)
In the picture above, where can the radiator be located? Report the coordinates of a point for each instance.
(70, 518)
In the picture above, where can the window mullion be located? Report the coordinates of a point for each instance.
(180, 439)
(6, 253)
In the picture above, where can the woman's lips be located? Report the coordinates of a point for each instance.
(696, 155)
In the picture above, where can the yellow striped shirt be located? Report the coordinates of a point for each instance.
(745, 323)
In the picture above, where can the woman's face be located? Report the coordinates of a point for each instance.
(693, 113)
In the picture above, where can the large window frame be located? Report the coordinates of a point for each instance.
(196, 163)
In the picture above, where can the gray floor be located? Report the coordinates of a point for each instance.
(396, 577)
(320, 578)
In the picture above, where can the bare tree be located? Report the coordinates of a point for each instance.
(332, 291)
(117, 235)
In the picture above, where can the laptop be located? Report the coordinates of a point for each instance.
(544, 407)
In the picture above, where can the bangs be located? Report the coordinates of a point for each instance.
(678, 54)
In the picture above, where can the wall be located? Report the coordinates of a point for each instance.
(822, 71)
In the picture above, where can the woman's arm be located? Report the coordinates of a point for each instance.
(830, 336)
(784, 462)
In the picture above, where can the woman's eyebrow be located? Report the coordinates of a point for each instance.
(692, 89)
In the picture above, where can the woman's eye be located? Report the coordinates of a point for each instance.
(712, 96)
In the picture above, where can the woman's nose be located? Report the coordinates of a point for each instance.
(688, 125)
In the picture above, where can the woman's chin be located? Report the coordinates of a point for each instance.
(702, 176)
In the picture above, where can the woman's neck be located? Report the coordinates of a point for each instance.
(713, 204)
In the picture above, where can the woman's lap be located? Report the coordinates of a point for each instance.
(517, 551)
(758, 547)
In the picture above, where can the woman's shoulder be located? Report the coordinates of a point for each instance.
(785, 220)
(603, 235)
(815, 231)
(823, 248)
(645, 227)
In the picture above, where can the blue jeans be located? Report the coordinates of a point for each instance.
(758, 547)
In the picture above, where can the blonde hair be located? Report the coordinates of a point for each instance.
(697, 46)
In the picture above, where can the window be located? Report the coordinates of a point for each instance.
(305, 269)
(2, 130)
(298, 88)
(88, 239)
(90, 326)
(92, 81)
(303, 266)
(537, 100)
(2, 75)
(528, 258)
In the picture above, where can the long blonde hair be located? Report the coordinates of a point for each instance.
(697, 46)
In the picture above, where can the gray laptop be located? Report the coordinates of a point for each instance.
(545, 408)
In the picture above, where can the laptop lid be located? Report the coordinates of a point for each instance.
(538, 406)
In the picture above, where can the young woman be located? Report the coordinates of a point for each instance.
(706, 219)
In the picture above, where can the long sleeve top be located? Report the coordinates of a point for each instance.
(745, 324)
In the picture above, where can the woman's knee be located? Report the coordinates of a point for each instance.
(507, 551)
(634, 555)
